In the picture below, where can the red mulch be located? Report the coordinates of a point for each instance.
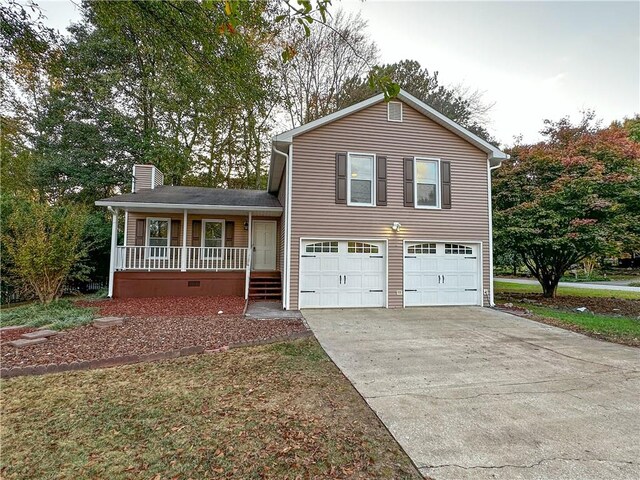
(605, 306)
(167, 306)
(140, 336)
(14, 333)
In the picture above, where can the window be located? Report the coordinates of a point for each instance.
(427, 191)
(361, 172)
(394, 111)
(322, 247)
(212, 238)
(455, 249)
(360, 247)
(158, 237)
(423, 248)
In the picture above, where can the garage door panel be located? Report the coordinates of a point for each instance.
(343, 278)
(435, 277)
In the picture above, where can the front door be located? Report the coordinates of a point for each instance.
(264, 245)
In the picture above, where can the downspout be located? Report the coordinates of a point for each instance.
(287, 226)
(491, 299)
(114, 244)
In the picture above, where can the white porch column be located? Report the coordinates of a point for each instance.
(249, 256)
(114, 244)
(183, 252)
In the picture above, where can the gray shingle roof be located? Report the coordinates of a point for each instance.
(198, 196)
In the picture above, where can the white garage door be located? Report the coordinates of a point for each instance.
(338, 273)
(441, 274)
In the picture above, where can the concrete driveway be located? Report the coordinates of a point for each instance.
(472, 393)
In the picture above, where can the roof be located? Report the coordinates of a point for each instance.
(196, 198)
(283, 140)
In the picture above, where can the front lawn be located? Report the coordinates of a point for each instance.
(58, 315)
(611, 315)
(278, 411)
(615, 329)
(507, 287)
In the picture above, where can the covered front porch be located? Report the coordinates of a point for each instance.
(168, 251)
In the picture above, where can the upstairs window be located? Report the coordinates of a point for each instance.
(427, 183)
(360, 179)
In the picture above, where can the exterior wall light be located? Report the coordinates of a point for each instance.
(246, 225)
(396, 226)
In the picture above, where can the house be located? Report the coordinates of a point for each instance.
(376, 205)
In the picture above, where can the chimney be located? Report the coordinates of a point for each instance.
(146, 177)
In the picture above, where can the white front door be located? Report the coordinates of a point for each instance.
(441, 274)
(338, 273)
(264, 245)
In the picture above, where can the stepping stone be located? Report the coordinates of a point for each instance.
(106, 322)
(39, 334)
(24, 342)
(12, 327)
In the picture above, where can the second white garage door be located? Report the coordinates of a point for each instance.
(441, 274)
(340, 273)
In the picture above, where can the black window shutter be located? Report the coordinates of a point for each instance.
(228, 233)
(175, 233)
(341, 178)
(445, 176)
(381, 175)
(141, 224)
(196, 227)
(409, 197)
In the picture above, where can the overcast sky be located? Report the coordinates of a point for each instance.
(534, 60)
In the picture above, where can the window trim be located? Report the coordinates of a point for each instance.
(147, 240)
(373, 180)
(389, 119)
(438, 205)
(204, 222)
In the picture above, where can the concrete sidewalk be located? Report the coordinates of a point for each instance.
(595, 286)
(472, 393)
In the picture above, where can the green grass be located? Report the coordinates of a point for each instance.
(276, 411)
(608, 326)
(506, 287)
(58, 315)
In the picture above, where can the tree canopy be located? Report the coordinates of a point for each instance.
(572, 196)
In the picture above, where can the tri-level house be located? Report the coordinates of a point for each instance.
(381, 204)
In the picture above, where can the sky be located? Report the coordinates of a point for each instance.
(531, 60)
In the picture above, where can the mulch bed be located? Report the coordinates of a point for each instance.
(605, 306)
(139, 336)
(167, 306)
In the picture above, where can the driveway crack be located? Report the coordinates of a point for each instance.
(531, 465)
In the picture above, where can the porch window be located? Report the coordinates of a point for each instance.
(427, 191)
(158, 235)
(213, 238)
(361, 171)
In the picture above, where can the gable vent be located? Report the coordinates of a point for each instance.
(394, 111)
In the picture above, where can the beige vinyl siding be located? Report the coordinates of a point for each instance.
(314, 211)
(240, 235)
(282, 198)
(142, 175)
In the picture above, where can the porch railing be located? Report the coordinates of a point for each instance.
(171, 258)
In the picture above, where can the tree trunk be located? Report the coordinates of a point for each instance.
(549, 287)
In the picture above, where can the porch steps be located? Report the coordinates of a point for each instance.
(265, 285)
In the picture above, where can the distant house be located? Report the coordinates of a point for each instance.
(377, 205)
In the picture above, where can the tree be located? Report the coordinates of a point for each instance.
(570, 197)
(312, 81)
(461, 104)
(44, 244)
